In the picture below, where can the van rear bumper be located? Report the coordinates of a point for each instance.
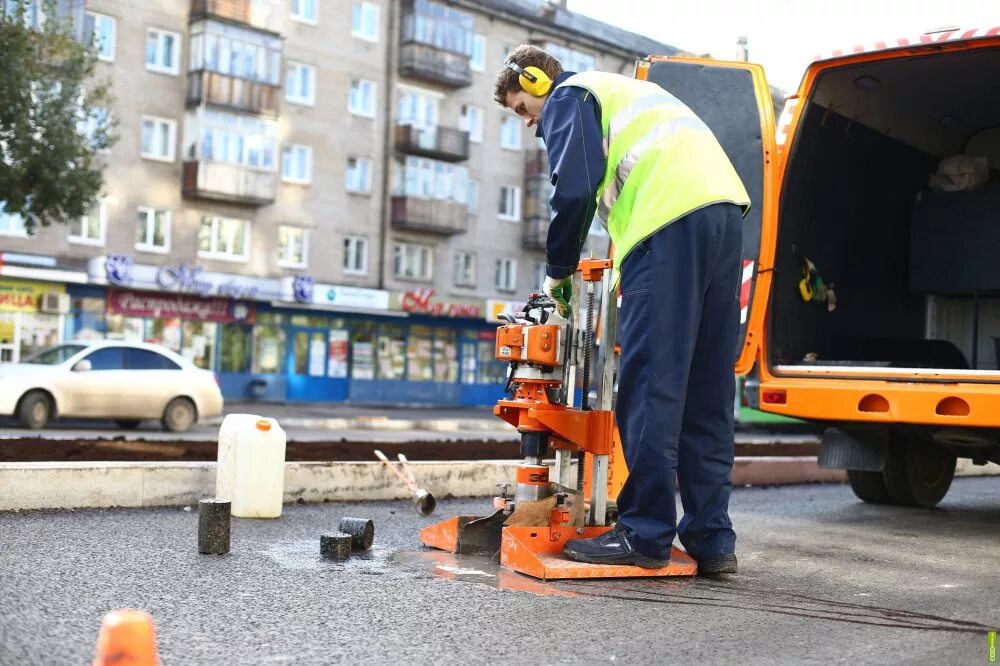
(874, 401)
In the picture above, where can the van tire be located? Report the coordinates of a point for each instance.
(869, 486)
(35, 410)
(917, 472)
(179, 415)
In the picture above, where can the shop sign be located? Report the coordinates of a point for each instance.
(21, 296)
(120, 271)
(494, 307)
(180, 306)
(303, 289)
(426, 301)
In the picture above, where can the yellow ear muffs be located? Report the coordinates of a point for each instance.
(534, 81)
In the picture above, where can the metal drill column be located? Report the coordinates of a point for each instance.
(605, 394)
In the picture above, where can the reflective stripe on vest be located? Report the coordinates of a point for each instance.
(651, 135)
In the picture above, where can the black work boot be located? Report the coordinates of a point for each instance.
(724, 563)
(612, 547)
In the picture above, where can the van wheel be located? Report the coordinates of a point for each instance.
(917, 471)
(35, 410)
(179, 415)
(869, 486)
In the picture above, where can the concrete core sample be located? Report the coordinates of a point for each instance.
(335, 546)
(362, 531)
(213, 526)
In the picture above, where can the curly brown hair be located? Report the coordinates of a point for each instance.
(525, 55)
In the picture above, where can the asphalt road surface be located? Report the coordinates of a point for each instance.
(824, 578)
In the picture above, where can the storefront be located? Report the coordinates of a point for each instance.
(294, 339)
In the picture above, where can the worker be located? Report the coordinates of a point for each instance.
(673, 205)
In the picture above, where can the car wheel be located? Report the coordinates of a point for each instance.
(869, 486)
(127, 424)
(35, 410)
(179, 415)
(918, 472)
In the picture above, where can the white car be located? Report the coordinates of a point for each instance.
(108, 379)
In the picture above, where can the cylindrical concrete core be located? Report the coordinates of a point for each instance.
(532, 483)
(335, 546)
(213, 526)
(362, 531)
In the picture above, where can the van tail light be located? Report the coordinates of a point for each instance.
(773, 397)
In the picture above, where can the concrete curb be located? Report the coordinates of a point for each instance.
(386, 423)
(138, 484)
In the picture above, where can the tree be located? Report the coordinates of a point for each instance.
(54, 120)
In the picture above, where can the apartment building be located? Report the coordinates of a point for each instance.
(316, 199)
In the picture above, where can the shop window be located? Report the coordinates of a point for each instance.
(293, 247)
(355, 255)
(469, 356)
(162, 51)
(296, 164)
(306, 11)
(510, 203)
(158, 137)
(268, 350)
(363, 350)
(234, 350)
(490, 371)
(90, 229)
(391, 350)
(445, 356)
(310, 321)
(412, 260)
(198, 343)
(144, 359)
(152, 231)
(364, 21)
(223, 238)
(108, 358)
(419, 354)
(100, 30)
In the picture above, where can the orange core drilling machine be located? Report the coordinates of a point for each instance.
(545, 351)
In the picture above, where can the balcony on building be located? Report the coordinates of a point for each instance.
(537, 191)
(440, 143)
(435, 216)
(436, 43)
(232, 183)
(266, 15)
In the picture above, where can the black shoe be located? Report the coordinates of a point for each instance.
(612, 547)
(724, 563)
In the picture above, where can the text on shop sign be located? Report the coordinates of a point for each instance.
(421, 301)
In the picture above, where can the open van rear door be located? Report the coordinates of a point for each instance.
(734, 100)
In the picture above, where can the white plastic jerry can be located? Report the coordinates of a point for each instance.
(251, 465)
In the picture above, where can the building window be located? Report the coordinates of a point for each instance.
(477, 62)
(11, 224)
(364, 21)
(293, 247)
(510, 133)
(306, 11)
(539, 276)
(472, 196)
(472, 122)
(235, 51)
(412, 261)
(506, 274)
(88, 125)
(163, 51)
(465, 269)
(300, 84)
(359, 178)
(159, 136)
(418, 108)
(152, 231)
(224, 238)
(361, 98)
(510, 203)
(296, 164)
(355, 255)
(422, 178)
(571, 59)
(90, 229)
(439, 25)
(237, 139)
(100, 30)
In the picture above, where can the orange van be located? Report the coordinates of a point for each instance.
(871, 290)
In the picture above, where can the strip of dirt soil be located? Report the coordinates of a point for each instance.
(74, 450)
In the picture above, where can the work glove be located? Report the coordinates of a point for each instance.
(560, 290)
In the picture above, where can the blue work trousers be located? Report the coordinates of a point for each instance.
(680, 319)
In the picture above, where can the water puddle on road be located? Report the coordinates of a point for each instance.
(303, 555)
(475, 569)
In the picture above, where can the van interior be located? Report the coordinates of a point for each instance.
(915, 272)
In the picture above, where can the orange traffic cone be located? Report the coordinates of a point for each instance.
(127, 638)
